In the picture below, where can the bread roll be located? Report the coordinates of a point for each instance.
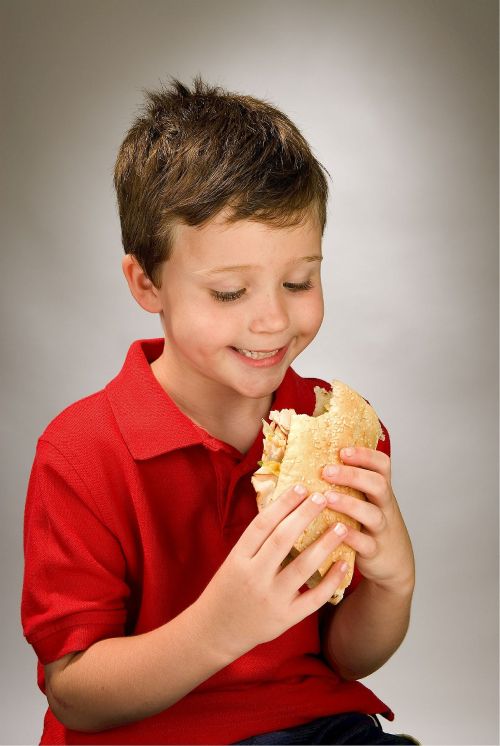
(298, 446)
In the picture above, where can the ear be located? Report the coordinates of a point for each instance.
(141, 287)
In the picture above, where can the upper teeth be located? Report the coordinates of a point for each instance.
(257, 355)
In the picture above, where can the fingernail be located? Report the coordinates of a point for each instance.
(347, 452)
(344, 566)
(318, 498)
(332, 497)
(340, 529)
(330, 471)
(300, 489)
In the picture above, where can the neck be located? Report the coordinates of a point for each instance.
(225, 414)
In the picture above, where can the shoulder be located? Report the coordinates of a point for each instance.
(73, 439)
(76, 411)
(84, 437)
(81, 459)
(82, 421)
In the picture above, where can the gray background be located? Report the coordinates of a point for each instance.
(399, 100)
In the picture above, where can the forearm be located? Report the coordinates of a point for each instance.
(125, 679)
(366, 629)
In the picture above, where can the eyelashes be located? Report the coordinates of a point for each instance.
(225, 297)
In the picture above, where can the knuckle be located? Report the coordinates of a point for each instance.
(320, 594)
(278, 538)
(379, 521)
(297, 570)
(381, 483)
(352, 475)
(260, 521)
(346, 503)
(387, 464)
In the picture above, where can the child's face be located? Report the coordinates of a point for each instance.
(271, 300)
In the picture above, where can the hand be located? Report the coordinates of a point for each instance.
(251, 599)
(384, 551)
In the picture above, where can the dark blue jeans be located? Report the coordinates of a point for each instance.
(349, 727)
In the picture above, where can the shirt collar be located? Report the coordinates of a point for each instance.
(151, 423)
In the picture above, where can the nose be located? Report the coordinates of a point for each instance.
(270, 316)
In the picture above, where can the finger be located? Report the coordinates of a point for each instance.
(369, 515)
(367, 458)
(300, 569)
(262, 526)
(374, 485)
(277, 546)
(311, 600)
(363, 544)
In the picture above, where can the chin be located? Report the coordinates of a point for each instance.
(261, 389)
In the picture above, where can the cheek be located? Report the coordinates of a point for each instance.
(203, 327)
(186, 322)
(312, 314)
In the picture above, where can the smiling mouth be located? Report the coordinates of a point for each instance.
(256, 354)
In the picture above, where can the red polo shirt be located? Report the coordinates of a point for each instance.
(131, 509)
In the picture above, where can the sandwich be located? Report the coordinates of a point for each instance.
(298, 446)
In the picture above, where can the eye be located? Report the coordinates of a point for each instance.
(227, 296)
(296, 286)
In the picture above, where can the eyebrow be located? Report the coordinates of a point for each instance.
(240, 267)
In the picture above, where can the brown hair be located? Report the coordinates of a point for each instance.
(193, 153)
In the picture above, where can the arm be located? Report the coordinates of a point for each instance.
(362, 633)
(124, 679)
(250, 600)
(366, 629)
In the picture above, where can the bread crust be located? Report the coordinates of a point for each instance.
(313, 442)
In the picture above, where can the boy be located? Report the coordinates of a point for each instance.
(153, 595)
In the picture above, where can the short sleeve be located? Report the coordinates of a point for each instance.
(74, 590)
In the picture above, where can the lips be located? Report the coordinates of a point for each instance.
(260, 358)
(258, 354)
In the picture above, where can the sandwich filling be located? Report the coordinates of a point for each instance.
(275, 439)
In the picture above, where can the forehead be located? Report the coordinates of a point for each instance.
(219, 244)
